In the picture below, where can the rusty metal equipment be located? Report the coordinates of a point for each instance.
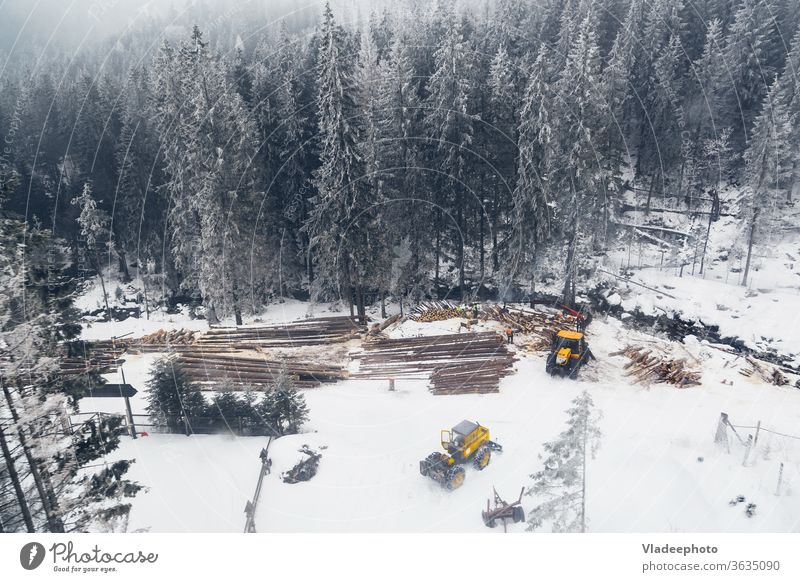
(503, 511)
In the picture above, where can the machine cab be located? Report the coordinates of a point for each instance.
(567, 345)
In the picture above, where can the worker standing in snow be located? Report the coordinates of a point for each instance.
(510, 334)
(474, 311)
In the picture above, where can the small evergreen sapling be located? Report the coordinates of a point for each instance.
(283, 408)
(562, 482)
(172, 397)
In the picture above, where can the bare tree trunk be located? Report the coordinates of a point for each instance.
(40, 476)
(237, 310)
(753, 219)
(18, 491)
(360, 302)
(705, 243)
(103, 286)
(211, 314)
(123, 265)
(438, 227)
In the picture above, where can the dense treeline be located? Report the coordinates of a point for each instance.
(428, 148)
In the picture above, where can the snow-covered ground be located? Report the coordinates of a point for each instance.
(647, 476)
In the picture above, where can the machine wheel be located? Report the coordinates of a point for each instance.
(434, 458)
(454, 478)
(430, 461)
(482, 458)
(519, 514)
(491, 523)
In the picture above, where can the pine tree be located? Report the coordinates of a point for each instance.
(768, 164)
(36, 318)
(618, 75)
(747, 59)
(96, 237)
(283, 409)
(172, 399)
(579, 169)
(342, 222)
(532, 217)
(408, 205)
(211, 145)
(450, 130)
(562, 481)
(790, 95)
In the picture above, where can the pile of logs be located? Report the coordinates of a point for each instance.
(102, 356)
(307, 332)
(161, 339)
(647, 367)
(429, 311)
(767, 373)
(455, 363)
(211, 370)
(539, 326)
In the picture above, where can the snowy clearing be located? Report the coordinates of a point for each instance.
(646, 477)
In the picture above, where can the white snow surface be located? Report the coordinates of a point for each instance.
(646, 477)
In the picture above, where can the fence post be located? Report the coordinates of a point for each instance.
(747, 448)
(250, 506)
(758, 429)
(780, 480)
(721, 438)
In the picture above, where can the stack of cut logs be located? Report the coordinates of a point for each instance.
(429, 311)
(455, 364)
(538, 325)
(646, 367)
(321, 330)
(102, 356)
(161, 339)
(211, 370)
(769, 374)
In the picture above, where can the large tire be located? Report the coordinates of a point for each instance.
(429, 463)
(519, 514)
(454, 478)
(551, 367)
(482, 458)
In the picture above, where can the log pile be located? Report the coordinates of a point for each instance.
(539, 326)
(210, 370)
(455, 363)
(378, 328)
(429, 311)
(161, 339)
(767, 373)
(647, 367)
(102, 356)
(307, 332)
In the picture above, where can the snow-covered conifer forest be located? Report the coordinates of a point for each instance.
(316, 230)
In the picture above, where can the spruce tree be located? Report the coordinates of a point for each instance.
(560, 487)
(342, 223)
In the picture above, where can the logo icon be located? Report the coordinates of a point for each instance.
(31, 555)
